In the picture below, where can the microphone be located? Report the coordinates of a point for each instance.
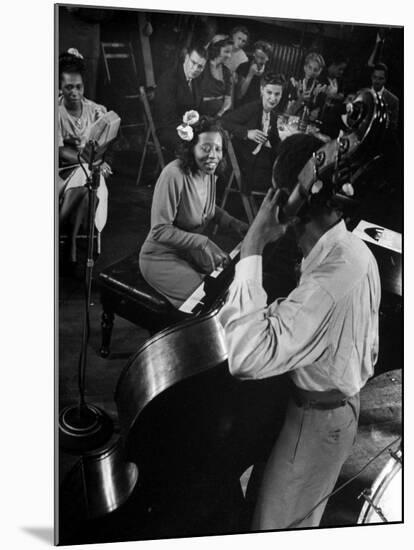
(92, 153)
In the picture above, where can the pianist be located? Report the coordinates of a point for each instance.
(324, 334)
(176, 255)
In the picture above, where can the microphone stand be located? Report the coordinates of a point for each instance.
(84, 427)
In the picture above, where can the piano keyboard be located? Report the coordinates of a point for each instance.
(195, 302)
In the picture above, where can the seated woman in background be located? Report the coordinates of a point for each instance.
(76, 116)
(256, 137)
(216, 84)
(176, 256)
(307, 91)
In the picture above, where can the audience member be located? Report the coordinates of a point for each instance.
(216, 84)
(307, 91)
(240, 36)
(250, 73)
(391, 147)
(76, 116)
(334, 96)
(178, 91)
(379, 76)
(256, 137)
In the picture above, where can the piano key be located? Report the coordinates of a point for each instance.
(194, 302)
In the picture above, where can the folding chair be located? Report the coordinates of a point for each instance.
(236, 178)
(253, 195)
(120, 67)
(151, 138)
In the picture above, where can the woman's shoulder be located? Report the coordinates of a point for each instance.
(93, 106)
(173, 170)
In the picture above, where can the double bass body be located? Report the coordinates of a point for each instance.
(192, 428)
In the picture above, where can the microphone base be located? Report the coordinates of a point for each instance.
(83, 428)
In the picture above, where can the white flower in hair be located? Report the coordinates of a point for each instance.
(75, 52)
(185, 132)
(191, 117)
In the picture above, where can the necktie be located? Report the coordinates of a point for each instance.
(266, 120)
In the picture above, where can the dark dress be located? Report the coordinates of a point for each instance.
(213, 91)
(256, 168)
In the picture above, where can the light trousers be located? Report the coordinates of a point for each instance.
(304, 465)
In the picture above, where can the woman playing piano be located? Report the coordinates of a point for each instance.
(176, 255)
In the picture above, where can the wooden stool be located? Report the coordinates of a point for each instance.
(125, 292)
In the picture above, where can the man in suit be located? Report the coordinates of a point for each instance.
(255, 134)
(391, 148)
(378, 80)
(177, 92)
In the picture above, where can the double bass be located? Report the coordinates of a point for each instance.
(193, 429)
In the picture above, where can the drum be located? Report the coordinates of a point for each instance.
(383, 502)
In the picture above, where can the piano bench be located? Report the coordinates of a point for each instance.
(125, 292)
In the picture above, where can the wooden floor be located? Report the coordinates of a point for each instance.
(128, 223)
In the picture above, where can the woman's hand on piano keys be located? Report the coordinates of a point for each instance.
(265, 227)
(215, 257)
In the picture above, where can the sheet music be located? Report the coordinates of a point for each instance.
(105, 129)
(197, 296)
(376, 234)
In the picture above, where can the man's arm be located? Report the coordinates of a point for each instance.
(373, 58)
(267, 341)
(237, 122)
(245, 74)
(226, 105)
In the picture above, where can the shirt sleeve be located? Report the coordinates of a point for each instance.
(265, 341)
(167, 195)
